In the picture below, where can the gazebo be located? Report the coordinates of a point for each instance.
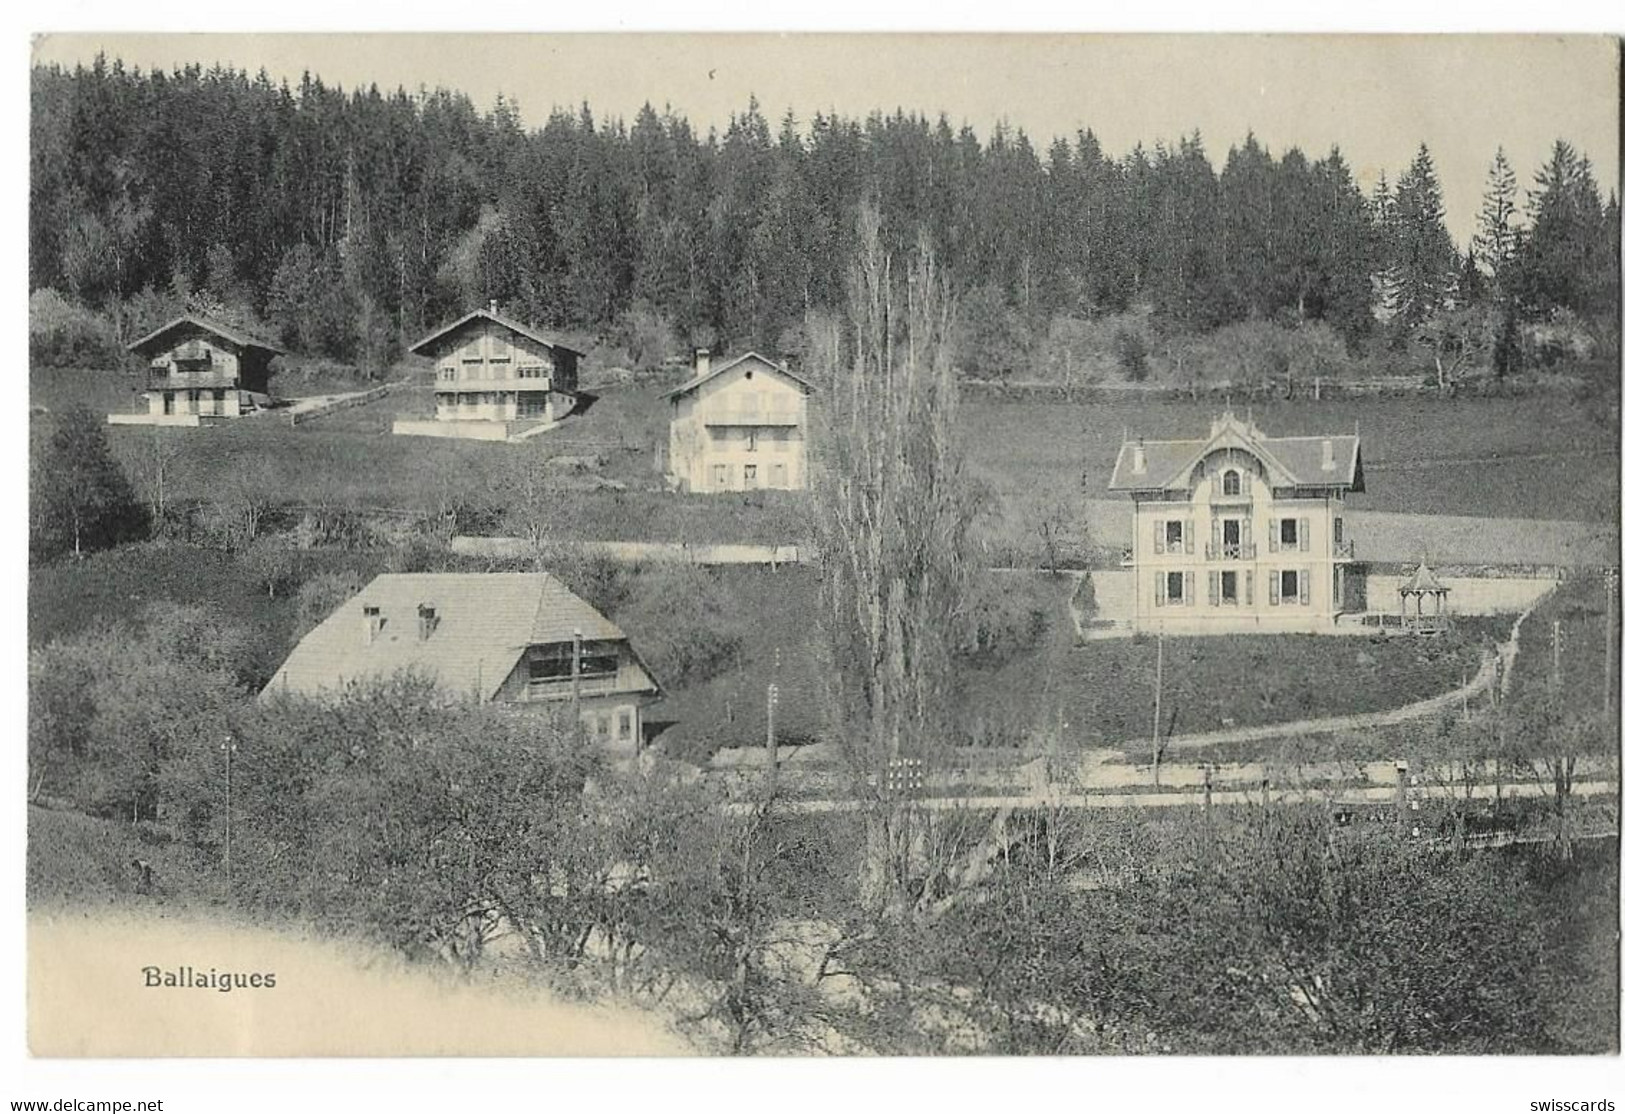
(1425, 588)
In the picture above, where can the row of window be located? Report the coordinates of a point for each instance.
(1234, 588)
(217, 396)
(1176, 535)
(525, 371)
(529, 404)
(752, 440)
(555, 663)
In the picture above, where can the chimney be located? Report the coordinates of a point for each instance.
(702, 362)
(1139, 457)
(428, 620)
(493, 307)
(1326, 461)
(372, 624)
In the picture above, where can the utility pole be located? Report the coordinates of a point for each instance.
(1156, 721)
(1557, 653)
(230, 747)
(1610, 579)
(772, 738)
(575, 672)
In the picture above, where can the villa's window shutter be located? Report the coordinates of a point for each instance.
(1303, 587)
(1213, 589)
(1246, 532)
(1275, 586)
(1246, 481)
(1249, 583)
(1159, 534)
(1218, 536)
(1275, 535)
(1160, 588)
(1190, 587)
(1189, 534)
(1303, 534)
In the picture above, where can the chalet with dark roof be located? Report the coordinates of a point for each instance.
(495, 378)
(201, 371)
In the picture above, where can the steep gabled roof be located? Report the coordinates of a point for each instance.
(230, 333)
(1291, 461)
(494, 318)
(484, 622)
(701, 380)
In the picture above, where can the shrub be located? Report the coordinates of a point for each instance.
(1133, 355)
(62, 333)
(683, 624)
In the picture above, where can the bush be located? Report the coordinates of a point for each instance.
(683, 624)
(62, 333)
(1133, 355)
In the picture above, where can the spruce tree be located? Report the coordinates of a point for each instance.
(1496, 241)
(1424, 260)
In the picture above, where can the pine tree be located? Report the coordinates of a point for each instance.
(1496, 241)
(82, 501)
(1423, 269)
(1567, 260)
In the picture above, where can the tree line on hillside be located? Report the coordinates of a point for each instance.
(348, 223)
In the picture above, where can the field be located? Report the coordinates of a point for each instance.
(1542, 457)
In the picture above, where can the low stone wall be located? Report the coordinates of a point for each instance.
(302, 414)
(468, 431)
(646, 551)
(1469, 595)
(187, 420)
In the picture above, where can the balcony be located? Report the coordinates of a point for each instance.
(191, 381)
(1343, 551)
(562, 688)
(762, 416)
(1232, 551)
(470, 385)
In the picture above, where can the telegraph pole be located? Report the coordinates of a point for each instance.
(1610, 579)
(575, 671)
(229, 746)
(772, 738)
(1557, 652)
(1156, 721)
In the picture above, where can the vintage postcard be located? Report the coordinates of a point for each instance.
(847, 545)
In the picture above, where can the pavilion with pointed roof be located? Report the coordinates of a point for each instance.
(1430, 597)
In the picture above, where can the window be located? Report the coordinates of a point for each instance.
(777, 475)
(623, 724)
(1228, 593)
(448, 374)
(169, 402)
(719, 477)
(1289, 533)
(1232, 482)
(1176, 587)
(1289, 585)
(750, 476)
(219, 395)
(531, 371)
(1337, 530)
(750, 442)
(553, 662)
(1174, 535)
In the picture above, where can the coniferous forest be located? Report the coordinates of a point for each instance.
(345, 223)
